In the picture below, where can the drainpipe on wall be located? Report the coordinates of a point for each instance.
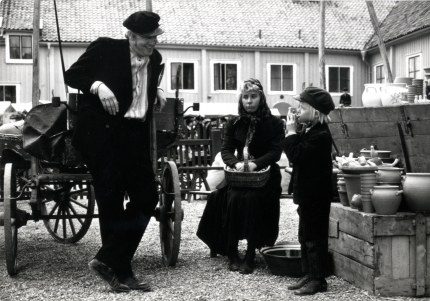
(48, 70)
(369, 73)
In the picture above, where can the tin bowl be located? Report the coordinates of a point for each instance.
(284, 259)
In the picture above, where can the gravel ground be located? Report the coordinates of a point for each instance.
(52, 271)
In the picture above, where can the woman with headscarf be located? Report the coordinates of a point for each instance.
(234, 213)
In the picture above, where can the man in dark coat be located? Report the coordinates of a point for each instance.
(119, 80)
(311, 184)
(345, 99)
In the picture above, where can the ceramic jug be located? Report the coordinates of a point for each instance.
(416, 187)
(393, 94)
(371, 95)
(386, 199)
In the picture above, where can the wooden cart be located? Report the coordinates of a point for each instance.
(62, 196)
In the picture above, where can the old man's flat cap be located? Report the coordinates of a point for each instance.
(144, 23)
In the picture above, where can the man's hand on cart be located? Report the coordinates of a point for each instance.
(161, 101)
(108, 99)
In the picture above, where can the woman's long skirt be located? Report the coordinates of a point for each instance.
(232, 214)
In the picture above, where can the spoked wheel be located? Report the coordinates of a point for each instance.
(63, 202)
(10, 225)
(171, 214)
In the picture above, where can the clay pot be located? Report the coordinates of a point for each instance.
(353, 185)
(386, 199)
(416, 187)
(371, 95)
(367, 206)
(341, 187)
(389, 174)
(343, 196)
(393, 94)
(356, 202)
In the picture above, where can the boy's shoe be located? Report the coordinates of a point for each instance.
(108, 275)
(300, 283)
(312, 287)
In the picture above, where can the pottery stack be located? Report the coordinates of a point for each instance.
(368, 182)
(412, 91)
(343, 196)
(418, 83)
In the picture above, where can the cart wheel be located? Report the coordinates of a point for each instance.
(171, 214)
(10, 228)
(64, 200)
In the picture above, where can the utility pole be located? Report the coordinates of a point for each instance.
(374, 20)
(36, 38)
(148, 5)
(321, 46)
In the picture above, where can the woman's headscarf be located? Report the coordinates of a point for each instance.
(260, 114)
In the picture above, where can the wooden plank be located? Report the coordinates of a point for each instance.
(353, 222)
(412, 260)
(400, 257)
(421, 260)
(353, 272)
(358, 130)
(333, 228)
(394, 287)
(400, 224)
(383, 257)
(366, 114)
(354, 248)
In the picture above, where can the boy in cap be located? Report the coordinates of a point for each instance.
(119, 81)
(345, 98)
(311, 184)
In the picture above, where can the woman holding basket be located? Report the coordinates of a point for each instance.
(234, 213)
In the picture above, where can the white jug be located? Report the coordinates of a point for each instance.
(371, 95)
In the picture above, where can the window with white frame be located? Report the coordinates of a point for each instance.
(379, 74)
(225, 76)
(187, 81)
(339, 78)
(9, 92)
(19, 48)
(414, 66)
(281, 78)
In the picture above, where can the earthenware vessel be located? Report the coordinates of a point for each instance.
(356, 202)
(389, 174)
(371, 96)
(386, 199)
(416, 187)
(343, 196)
(393, 94)
(353, 186)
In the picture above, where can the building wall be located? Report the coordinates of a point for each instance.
(21, 74)
(252, 64)
(398, 54)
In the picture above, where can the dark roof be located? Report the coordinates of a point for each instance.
(249, 23)
(406, 17)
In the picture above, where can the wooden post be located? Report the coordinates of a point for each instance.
(148, 5)
(321, 45)
(36, 37)
(374, 20)
(35, 88)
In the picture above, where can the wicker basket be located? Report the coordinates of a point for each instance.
(246, 179)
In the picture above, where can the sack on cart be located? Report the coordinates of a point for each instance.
(44, 132)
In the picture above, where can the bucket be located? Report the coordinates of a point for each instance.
(284, 259)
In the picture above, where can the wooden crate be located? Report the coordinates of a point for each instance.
(385, 255)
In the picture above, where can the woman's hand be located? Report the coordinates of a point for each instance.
(239, 166)
(252, 166)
